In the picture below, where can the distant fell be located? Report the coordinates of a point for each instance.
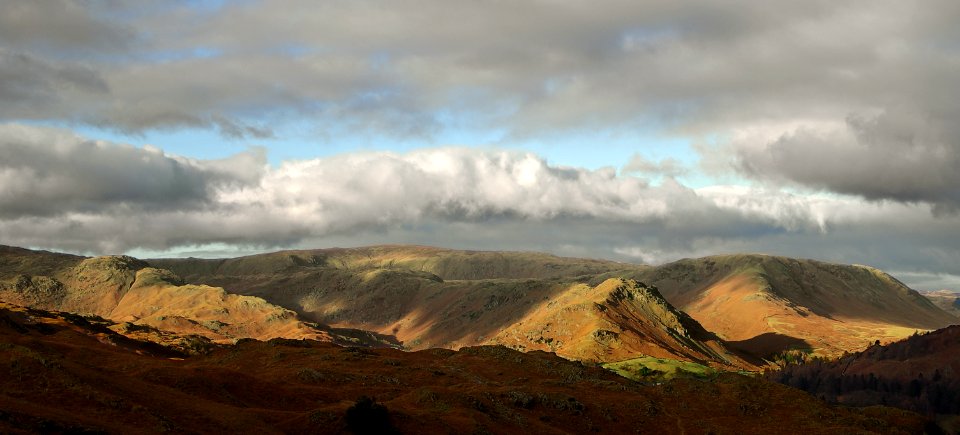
(448, 264)
(947, 300)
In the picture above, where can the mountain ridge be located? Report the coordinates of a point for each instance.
(754, 306)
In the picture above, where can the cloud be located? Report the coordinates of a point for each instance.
(64, 192)
(63, 26)
(35, 88)
(52, 172)
(416, 69)
(899, 155)
(61, 180)
(668, 167)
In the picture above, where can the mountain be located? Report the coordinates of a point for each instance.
(766, 304)
(430, 297)
(920, 373)
(614, 321)
(71, 374)
(128, 290)
(947, 300)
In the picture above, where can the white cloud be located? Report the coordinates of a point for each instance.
(100, 197)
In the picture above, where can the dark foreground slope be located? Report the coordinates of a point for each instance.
(920, 373)
(58, 375)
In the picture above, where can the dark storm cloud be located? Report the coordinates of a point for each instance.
(901, 155)
(395, 69)
(64, 27)
(48, 172)
(35, 88)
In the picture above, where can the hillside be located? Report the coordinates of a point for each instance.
(765, 304)
(68, 376)
(614, 321)
(920, 373)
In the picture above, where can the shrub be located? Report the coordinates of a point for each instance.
(366, 416)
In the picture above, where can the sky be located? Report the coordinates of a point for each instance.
(639, 131)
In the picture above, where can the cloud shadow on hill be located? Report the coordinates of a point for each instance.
(767, 344)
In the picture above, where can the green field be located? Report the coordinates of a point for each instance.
(649, 368)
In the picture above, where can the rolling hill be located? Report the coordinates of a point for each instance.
(389, 291)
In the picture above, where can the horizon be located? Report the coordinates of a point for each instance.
(637, 132)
